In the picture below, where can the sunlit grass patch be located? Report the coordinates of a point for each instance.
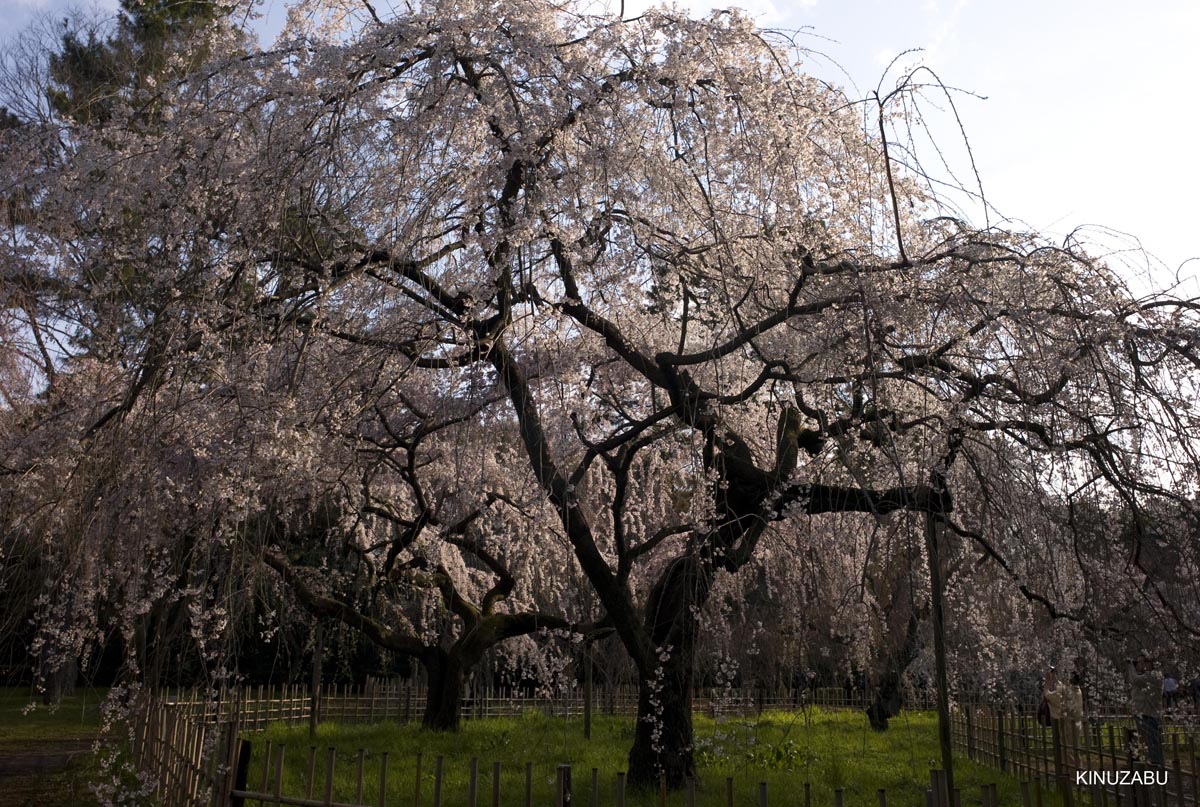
(827, 750)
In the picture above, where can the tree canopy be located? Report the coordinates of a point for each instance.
(503, 279)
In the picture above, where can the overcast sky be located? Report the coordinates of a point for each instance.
(1090, 112)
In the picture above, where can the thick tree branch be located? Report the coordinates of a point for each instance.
(614, 596)
(320, 605)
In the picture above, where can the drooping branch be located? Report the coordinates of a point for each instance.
(978, 538)
(505, 582)
(322, 605)
(573, 306)
(613, 594)
(743, 337)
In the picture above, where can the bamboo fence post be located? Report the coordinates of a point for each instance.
(1195, 769)
(235, 726)
(383, 760)
(417, 783)
(198, 763)
(940, 797)
(358, 791)
(437, 781)
(278, 789)
(266, 766)
(159, 759)
(1112, 750)
(329, 760)
(1060, 775)
(241, 774)
(1002, 758)
(214, 766)
(188, 763)
(1043, 766)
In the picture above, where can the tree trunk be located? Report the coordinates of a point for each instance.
(886, 701)
(932, 530)
(60, 682)
(314, 709)
(662, 743)
(447, 681)
(663, 737)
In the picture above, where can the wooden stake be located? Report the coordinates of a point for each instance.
(383, 779)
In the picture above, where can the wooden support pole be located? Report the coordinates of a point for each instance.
(933, 529)
(587, 690)
(314, 709)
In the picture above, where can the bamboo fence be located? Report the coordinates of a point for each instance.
(1055, 757)
(193, 746)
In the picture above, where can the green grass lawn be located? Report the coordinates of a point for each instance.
(24, 718)
(783, 749)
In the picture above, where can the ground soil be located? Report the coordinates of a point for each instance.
(45, 773)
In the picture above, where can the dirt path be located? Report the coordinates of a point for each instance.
(34, 773)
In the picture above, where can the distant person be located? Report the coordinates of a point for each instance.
(1072, 717)
(808, 689)
(1145, 701)
(1196, 694)
(1170, 691)
(1065, 699)
(1052, 693)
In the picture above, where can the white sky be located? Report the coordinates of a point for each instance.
(1090, 117)
(1090, 114)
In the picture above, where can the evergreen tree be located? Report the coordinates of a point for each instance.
(153, 40)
